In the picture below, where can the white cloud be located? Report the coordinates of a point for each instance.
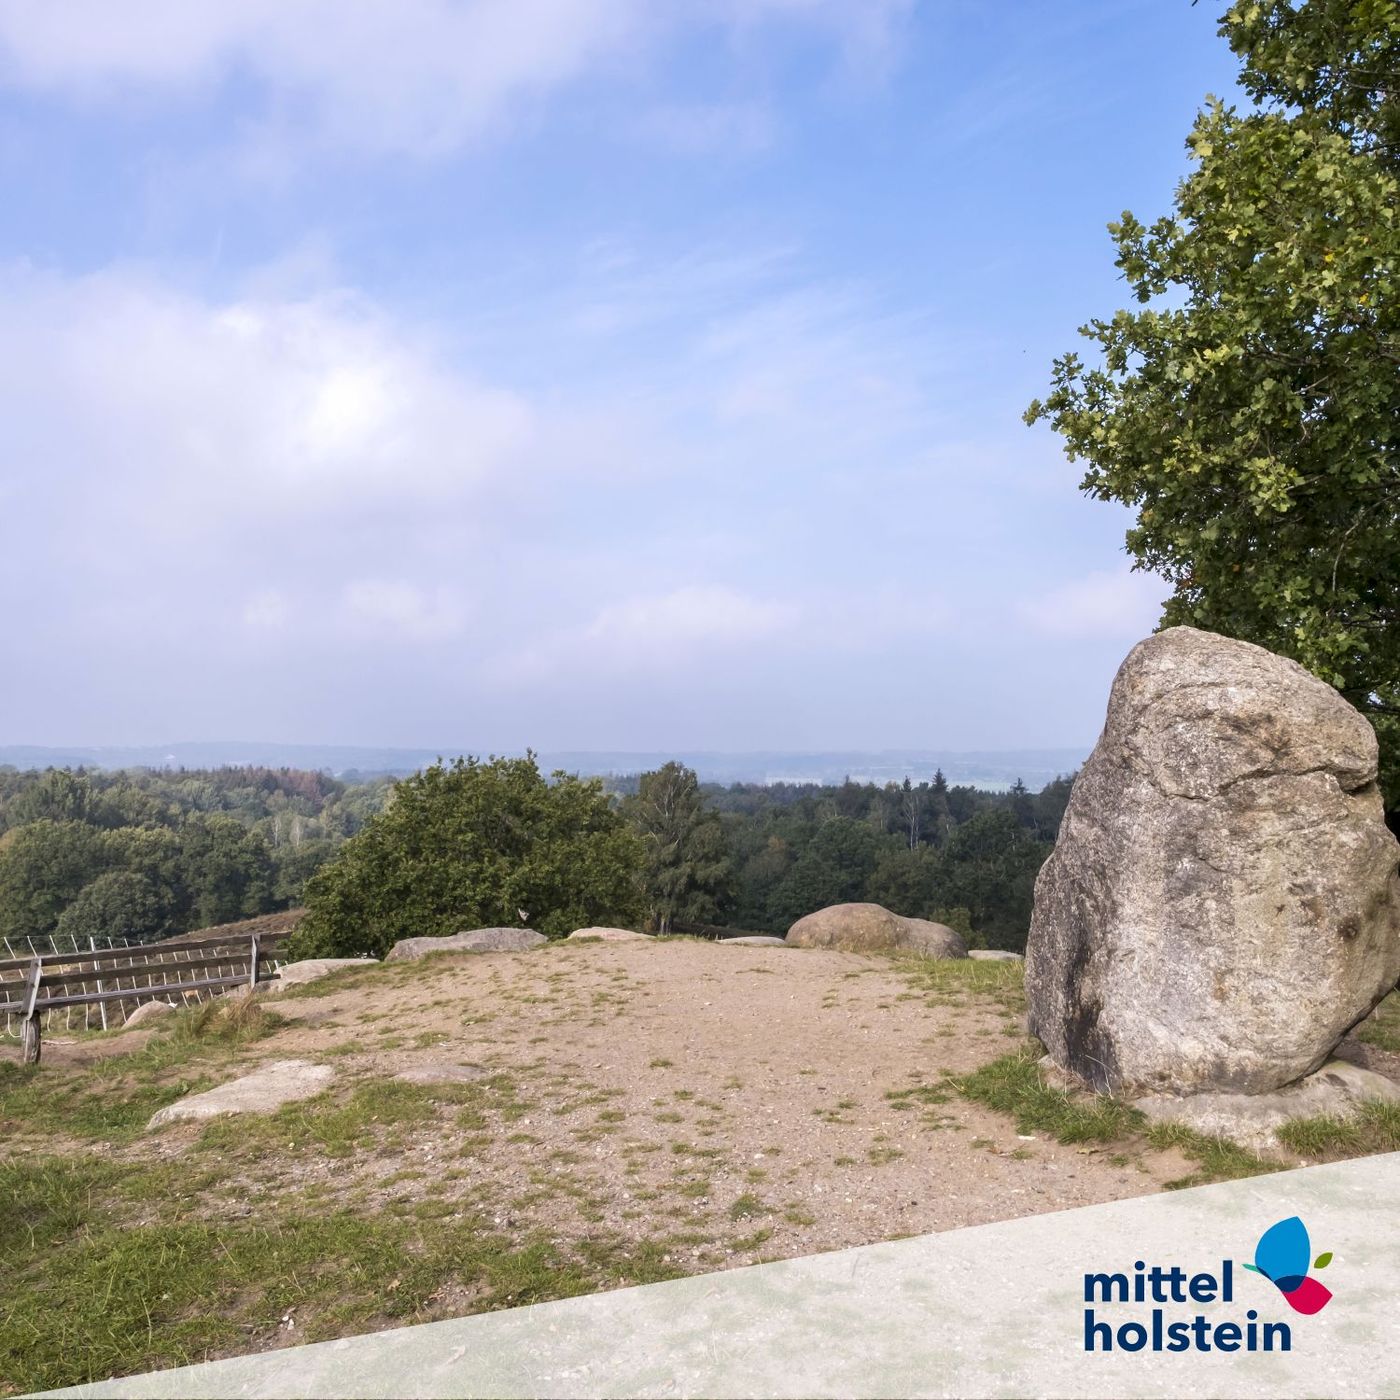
(311, 405)
(1104, 604)
(419, 77)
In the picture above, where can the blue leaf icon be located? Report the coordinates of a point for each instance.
(1283, 1253)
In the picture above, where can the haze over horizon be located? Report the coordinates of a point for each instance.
(578, 374)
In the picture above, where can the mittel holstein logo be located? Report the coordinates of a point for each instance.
(1283, 1256)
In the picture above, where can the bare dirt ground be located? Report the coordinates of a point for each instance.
(735, 1104)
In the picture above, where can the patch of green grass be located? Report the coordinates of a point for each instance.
(86, 1294)
(955, 979)
(751, 1242)
(1015, 1085)
(1375, 1128)
(1383, 1029)
(334, 1127)
(920, 1094)
(1217, 1158)
(342, 979)
(745, 1206)
(109, 1107)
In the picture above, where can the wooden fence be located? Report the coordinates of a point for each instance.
(114, 981)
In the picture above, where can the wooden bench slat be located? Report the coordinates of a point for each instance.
(265, 940)
(130, 993)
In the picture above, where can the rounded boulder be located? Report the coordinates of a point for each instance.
(1223, 903)
(869, 928)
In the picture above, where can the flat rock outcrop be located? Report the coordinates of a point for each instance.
(867, 928)
(263, 1091)
(1223, 902)
(755, 940)
(611, 935)
(477, 940)
(1338, 1090)
(313, 969)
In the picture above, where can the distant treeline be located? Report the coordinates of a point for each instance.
(958, 854)
(141, 854)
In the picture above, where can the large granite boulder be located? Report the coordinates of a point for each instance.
(1223, 902)
(867, 928)
(608, 935)
(477, 940)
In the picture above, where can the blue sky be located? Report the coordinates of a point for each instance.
(577, 373)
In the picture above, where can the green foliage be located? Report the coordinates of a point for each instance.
(225, 844)
(1250, 413)
(687, 859)
(471, 844)
(119, 904)
(142, 855)
(43, 867)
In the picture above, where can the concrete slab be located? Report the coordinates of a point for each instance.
(997, 1310)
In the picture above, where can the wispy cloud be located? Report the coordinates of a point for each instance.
(416, 77)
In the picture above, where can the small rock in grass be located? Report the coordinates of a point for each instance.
(263, 1091)
(150, 1011)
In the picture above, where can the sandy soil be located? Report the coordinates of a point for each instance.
(733, 1103)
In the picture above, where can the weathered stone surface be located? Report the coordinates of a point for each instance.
(865, 928)
(995, 955)
(611, 935)
(754, 940)
(150, 1011)
(313, 969)
(477, 940)
(266, 1089)
(1337, 1090)
(1222, 904)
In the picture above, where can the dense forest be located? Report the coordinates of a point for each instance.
(142, 854)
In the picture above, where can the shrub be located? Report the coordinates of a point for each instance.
(471, 844)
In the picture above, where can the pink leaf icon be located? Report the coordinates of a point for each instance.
(1309, 1297)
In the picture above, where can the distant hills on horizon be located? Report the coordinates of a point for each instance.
(984, 768)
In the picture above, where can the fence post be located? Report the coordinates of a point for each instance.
(101, 1005)
(30, 1045)
(253, 964)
